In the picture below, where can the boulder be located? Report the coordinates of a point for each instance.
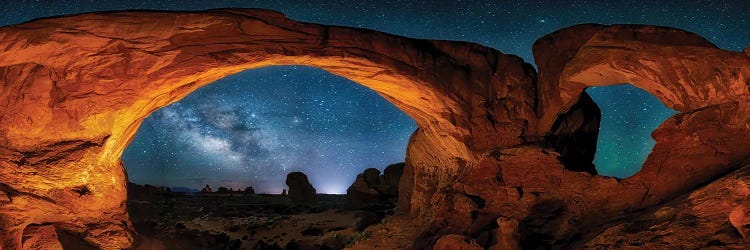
(300, 189)
(370, 188)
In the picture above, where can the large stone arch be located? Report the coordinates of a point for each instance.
(74, 89)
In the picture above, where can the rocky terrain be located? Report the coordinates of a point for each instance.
(241, 219)
(501, 159)
(166, 220)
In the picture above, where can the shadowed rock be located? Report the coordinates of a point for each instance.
(300, 189)
(372, 189)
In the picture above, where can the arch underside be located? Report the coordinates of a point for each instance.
(74, 90)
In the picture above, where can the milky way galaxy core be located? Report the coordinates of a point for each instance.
(254, 127)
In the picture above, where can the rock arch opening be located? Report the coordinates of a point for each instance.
(245, 136)
(624, 141)
(260, 124)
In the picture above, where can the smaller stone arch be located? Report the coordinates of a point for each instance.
(683, 70)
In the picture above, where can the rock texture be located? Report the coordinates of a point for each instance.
(456, 242)
(494, 140)
(300, 189)
(41, 237)
(372, 189)
(710, 217)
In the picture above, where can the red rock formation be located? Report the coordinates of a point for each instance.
(41, 237)
(493, 140)
(699, 219)
(740, 218)
(456, 242)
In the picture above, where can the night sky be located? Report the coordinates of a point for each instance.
(253, 127)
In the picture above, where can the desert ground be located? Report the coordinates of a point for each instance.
(174, 220)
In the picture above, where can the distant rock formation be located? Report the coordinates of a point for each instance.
(140, 191)
(300, 189)
(207, 189)
(223, 190)
(249, 190)
(370, 188)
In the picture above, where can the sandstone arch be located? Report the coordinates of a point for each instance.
(68, 116)
(685, 71)
(74, 89)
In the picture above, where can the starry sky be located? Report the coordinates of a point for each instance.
(253, 127)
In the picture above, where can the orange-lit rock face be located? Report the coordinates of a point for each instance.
(73, 91)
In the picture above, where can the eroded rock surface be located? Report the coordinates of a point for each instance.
(41, 237)
(494, 140)
(456, 242)
(700, 219)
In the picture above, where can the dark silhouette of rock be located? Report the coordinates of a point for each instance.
(300, 189)
(283, 192)
(391, 177)
(249, 190)
(223, 190)
(371, 177)
(207, 189)
(370, 188)
(574, 135)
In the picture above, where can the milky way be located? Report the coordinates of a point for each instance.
(253, 127)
